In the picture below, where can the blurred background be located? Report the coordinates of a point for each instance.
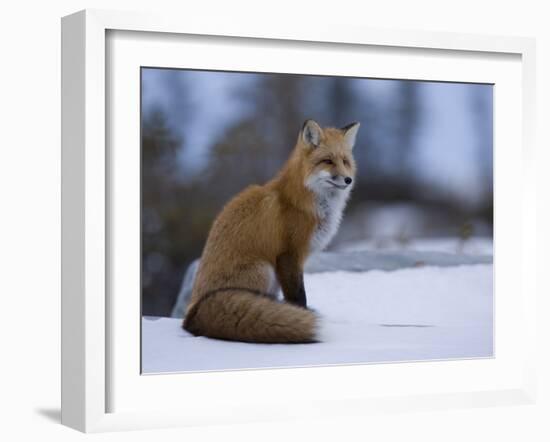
(424, 154)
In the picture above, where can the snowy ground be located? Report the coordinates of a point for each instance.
(404, 315)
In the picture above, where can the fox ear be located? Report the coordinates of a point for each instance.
(311, 133)
(350, 133)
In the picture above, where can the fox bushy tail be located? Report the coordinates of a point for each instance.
(238, 315)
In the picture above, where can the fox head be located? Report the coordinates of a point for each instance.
(327, 158)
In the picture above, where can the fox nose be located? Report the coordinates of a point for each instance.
(348, 180)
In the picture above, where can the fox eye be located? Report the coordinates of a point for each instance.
(327, 161)
(346, 162)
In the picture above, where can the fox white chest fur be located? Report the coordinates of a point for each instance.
(330, 208)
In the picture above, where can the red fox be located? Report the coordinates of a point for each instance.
(260, 240)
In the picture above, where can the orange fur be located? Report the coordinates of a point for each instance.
(262, 233)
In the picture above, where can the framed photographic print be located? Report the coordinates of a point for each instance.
(252, 212)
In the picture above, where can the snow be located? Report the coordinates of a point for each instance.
(404, 315)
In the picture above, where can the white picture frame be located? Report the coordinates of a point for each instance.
(87, 319)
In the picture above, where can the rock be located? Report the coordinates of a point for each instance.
(363, 261)
(185, 290)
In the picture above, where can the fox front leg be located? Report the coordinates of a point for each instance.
(291, 277)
